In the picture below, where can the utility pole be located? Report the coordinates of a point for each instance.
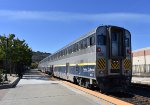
(144, 62)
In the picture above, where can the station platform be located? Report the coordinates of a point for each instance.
(141, 80)
(37, 89)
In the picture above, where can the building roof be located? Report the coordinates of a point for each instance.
(142, 49)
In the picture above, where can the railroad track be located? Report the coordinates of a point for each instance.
(137, 94)
(132, 98)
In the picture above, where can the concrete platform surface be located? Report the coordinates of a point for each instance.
(141, 80)
(35, 89)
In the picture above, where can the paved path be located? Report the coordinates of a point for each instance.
(141, 80)
(37, 89)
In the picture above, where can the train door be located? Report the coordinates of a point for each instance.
(101, 52)
(127, 63)
(67, 70)
(116, 50)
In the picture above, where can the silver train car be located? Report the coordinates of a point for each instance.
(100, 58)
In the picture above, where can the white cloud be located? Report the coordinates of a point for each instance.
(66, 16)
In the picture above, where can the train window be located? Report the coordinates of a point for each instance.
(127, 38)
(61, 53)
(58, 54)
(70, 49)
(74, 48)
(88, 41)
(54, 56)
(81, 44)
(64, 52)
(67, 51)
(127, 42)
(92, 40)
(101, 40)
(114, 36)
(85, 43)
(77, 47)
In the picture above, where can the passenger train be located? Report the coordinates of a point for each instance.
(100, 58)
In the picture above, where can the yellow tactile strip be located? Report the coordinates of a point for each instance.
(99, 95)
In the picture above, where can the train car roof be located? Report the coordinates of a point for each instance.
(80, 38)
(77, 40)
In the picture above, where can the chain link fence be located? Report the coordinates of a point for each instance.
(141, 70)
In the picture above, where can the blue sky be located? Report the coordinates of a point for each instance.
(48, 25)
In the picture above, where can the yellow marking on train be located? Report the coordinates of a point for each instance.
(115, 65)
(84, 64)
(80, 64)
(59, 65)
(101, 63)
(72, 64)
(127, 64)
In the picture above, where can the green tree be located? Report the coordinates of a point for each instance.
(17, 53)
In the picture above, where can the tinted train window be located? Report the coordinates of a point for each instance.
(85, 43)
(77, 47)
(70, 49)
(101, 40)
(81, 44)
(127, 42)
(114, 36)
(92, 40)
(65, 51)
(88, 41)
(74, 48)
(61, 53)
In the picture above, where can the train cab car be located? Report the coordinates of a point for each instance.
(113, 58)
(100, 58)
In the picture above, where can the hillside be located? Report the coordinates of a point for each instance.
(37, 57)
